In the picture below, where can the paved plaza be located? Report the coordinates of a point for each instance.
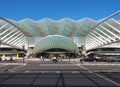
(67, 73)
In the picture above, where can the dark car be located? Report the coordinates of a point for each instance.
(88, 59)
(115, 59)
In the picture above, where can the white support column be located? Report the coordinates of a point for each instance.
(90, 43)
(110, 32)
(16, 39)
(95, 38)
(112, 27)
(115, 21)
(3, 26)
(12, 37)
(9, 31)
(20, 42)
(7, 35)
(6, 30)
(105, 39)
(99, 38)
(106, 34)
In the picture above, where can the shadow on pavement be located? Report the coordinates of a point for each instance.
(49, 80)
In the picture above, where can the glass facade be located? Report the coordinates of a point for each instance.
(86, 31)
(56, 41)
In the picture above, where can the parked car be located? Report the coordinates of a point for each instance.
(88, 59)
(115, 59)
(103, 59)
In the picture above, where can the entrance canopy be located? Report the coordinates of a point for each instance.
(55, 41)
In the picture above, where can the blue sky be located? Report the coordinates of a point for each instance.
(57, 9)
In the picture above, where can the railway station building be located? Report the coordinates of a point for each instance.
(64, 37)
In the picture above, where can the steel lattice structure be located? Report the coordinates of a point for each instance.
(12, 35)
(105, 32)
(87, 32)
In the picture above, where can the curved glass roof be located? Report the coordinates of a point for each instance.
(55, 41)
(65, 27)
(86, 31)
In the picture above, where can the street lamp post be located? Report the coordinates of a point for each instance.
(23, 54)
(0, 45)
(0, 41)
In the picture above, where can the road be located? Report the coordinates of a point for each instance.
(60, 74)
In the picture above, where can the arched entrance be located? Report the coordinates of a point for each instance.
(55, 45)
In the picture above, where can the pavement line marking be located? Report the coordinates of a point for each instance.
(27, 71)
(35, 71)
(84, 68)
(109, 80)
(2, 65)
(16, 67)
(58, 72)
(43, 71)
(103, 64)
(75, 72)
(81, 66)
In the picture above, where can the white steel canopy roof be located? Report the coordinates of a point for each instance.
(86, 31)
(12, 35)
(55, 41)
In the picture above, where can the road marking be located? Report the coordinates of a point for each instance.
(43, 71)
(35, 71)
(2, 65)
(12, 70)
(95, 64)
(109, 80)
(27, 71)
(81, 66)
(75, 72)
(84, 68)
(58, 72)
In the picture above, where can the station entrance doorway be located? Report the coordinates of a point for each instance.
(60, 54)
